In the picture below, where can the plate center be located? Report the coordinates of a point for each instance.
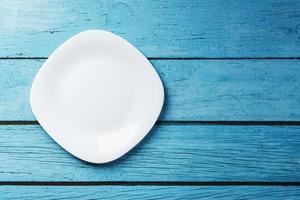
(94, 106)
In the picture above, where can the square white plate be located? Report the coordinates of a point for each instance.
(97, 96)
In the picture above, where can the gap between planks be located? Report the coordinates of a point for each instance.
(148, 183)
(221, 123)
(178, 58)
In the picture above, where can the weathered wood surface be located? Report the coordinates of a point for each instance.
(219, 89)
(168, 153)
(203, 90)
(148, 192)
(210, 28)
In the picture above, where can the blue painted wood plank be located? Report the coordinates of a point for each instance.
(209, 28)
(195, 89)
(169, 153)
(148, 192)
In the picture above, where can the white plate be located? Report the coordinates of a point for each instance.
(97, 96)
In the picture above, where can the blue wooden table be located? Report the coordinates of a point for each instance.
(230, 127)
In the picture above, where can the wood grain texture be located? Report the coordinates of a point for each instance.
(195, 89)
(148, 192)
(209, 28)
(168, 153)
